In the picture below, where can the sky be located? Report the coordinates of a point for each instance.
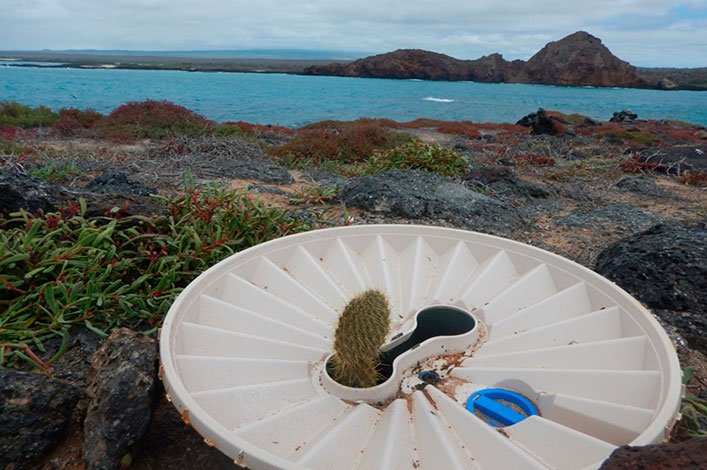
(643, 32)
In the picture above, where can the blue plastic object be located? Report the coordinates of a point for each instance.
(500, 407)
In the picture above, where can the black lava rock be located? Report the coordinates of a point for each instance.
(690, 325)
(261, 169)
(621, 216)
(21, 191)
(34, 412)
(74, 365)
(122, 388)
(118, 183)
(641, 185)
(623, 116)
(665, 267)
(676, 160)
(325, 179)
(501, 180)
(540, 122)
(417, 194)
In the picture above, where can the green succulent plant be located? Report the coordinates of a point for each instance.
(359, 335)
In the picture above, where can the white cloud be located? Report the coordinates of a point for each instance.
(645, 32)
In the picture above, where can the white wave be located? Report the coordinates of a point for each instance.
(439, 100)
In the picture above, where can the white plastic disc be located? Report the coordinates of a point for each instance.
(243, 351)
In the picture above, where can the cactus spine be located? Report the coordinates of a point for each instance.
(359, 335)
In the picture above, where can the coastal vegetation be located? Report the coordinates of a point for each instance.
(151, 119)
(366, 147)
(54, 262)
(65, 269)
(418, 155)
(344, 143)
(14, 114)
(73, 121)
(247, 129)
(55, 172)
(348, 148)
(9, 147)
(693, 409)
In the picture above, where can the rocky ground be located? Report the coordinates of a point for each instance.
(636, 212)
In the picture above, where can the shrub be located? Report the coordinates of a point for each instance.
(227, 129)
(463, 128)
(348, 144)
(18, 115)
(10, 133)
(683, 135)
(533, 159)
(382, 122)
(607, 168)
(327, 124)
(247, 129)
(63, 270)
(614, 130)
(152, 119)
(633, 136)
(55, 172)
(8, 147)
(421, 123)
(599, 130)
(420, 156)
(331, 124)
(349, 170)
(314, 194)
(73, 121)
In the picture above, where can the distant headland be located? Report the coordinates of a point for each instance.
(579, 59)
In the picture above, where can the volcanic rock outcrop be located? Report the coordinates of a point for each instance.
(403, 64)
(579, 59)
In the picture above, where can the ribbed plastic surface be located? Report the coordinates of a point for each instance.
(243, 349)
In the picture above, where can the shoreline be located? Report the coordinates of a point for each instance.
(581, 116)
(133, 62)
(256, 65)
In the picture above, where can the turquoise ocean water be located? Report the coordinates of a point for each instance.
(293, 100)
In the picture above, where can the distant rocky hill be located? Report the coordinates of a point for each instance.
(404, 63)
(579, 59)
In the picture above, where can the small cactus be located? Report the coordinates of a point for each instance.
(359, 335)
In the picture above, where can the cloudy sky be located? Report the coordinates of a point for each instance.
(644, 32)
